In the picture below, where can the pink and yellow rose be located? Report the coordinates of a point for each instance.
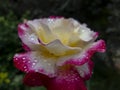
(57, 53)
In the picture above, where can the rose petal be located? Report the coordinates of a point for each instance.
(81, 58)
(27, 36)
(42, 30)
(22, 28)
(61, 27)
(58, 49)
(35, 79)
(85, 70)
(85, 33)
(26, 47)
(34, 61)
(69, 80)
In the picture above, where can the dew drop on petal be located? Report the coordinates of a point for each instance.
(33, 63)
(26, 70)
(49, 64)
(36, 70)
(29, 62)
(23, 61)
(15, 59)
(45, 60)
(23, 58)
(82, 31)
(76, 78)
(87, 57)
(31, 38)
(50, 20)
(25, 67)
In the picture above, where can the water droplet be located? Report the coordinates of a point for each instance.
(84, 55)
(25, 67)
(29, 62)
(16, 59)
(35, 61)
(50, 20)
(82, 30)
(26, 70)
(32, 38)
(23, 58)
(76, 78)
(45, 60)
(24, 61)
(33, 64)
(49, 64)
(87, 57)
(36, 70)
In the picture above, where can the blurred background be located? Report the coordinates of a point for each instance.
(102, 16)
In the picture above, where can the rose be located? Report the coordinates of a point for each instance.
(58, 53)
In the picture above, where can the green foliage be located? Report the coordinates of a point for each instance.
(8, 46)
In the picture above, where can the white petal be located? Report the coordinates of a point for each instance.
(36, 61)
(45, 64)
(85, 33)
(85, 70)
(62, 28)
(27, 36)
(42, 30)
(58, 49)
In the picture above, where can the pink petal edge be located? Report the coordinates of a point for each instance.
(25, 47)
(98, 46)
(22, 62)
(27, 62)
(22, 28)
(55, 17)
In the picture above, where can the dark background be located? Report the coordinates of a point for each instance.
(102, 16)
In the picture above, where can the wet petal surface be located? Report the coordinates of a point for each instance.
(34, 61)
(69, 80)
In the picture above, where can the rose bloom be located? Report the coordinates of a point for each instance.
(57, 53)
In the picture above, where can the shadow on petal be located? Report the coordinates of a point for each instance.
(35, 79)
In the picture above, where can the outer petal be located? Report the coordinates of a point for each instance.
(75, 41)
(54, 17)
(85, 33)
(85, 70)
(69, 80)
(34, 61)
(81, 58)
(35, 79)
(27, 36)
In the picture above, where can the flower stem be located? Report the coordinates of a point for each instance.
(88, 84)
